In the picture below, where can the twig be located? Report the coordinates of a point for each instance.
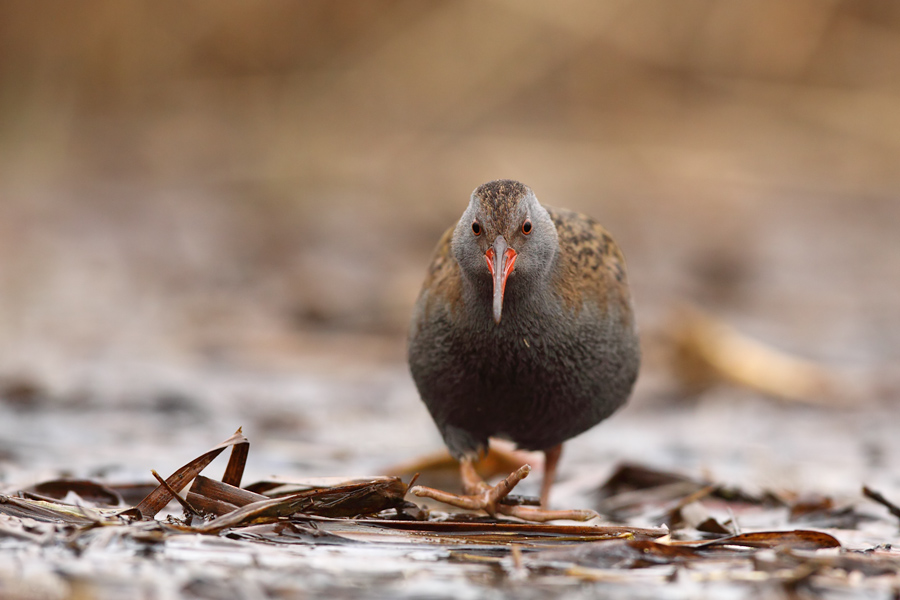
(877, 497)
(182, 501)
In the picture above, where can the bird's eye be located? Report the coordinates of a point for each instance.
(526, 226)
(476, 227)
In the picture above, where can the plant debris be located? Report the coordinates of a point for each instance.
(355, 514)
(704, 351)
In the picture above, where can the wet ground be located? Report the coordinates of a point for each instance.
(114, 421)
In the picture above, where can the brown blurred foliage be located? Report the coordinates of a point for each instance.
(194, 175)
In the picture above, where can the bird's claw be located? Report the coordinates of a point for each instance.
(480, 496)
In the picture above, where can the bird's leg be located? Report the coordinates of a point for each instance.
(478, 495)
(551, 459)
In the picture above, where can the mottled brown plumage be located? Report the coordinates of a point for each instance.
(524, 327)
(589, 262)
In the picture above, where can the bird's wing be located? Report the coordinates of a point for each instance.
(442, 283)
(591, 266)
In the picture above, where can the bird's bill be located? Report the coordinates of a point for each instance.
(500, 261)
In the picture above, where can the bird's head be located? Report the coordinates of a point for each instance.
(504, 233)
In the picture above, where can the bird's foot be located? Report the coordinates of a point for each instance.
(481, 496)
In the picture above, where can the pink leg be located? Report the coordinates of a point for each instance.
(551, 459)
(478, 495)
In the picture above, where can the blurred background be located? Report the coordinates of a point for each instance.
(230, 185)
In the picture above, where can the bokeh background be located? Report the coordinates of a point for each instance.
(228, 186)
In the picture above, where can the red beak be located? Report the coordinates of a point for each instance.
(500, 261)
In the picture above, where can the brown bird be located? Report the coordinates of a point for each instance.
(523, 330)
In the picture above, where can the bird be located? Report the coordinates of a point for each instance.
(523, 330)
